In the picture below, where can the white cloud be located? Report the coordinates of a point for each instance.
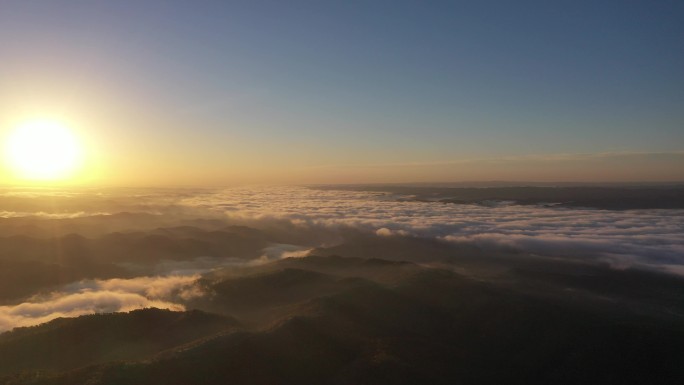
(653, 237)
(42, 214)
(650, 238)
(282, 250)
(319, 217)
(101, 296)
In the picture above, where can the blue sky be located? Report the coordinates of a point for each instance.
(290, 86)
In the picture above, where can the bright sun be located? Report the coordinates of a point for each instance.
(43, 150)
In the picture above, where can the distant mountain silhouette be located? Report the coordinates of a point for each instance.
(609, 198)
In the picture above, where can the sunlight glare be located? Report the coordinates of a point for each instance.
(42, 150)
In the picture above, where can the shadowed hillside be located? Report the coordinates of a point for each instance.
(28, 264)
(367, 321)
(68, 343)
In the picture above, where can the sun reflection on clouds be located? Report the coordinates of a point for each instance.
(100, 296)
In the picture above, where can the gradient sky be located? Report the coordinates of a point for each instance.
(222, 92)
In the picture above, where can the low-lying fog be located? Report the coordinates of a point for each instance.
(68, 253)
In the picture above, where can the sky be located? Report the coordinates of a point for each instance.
(229, 92)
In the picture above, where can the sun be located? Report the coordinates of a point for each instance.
(43, 150)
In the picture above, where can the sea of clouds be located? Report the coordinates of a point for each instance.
(648, 237)
(652, 239)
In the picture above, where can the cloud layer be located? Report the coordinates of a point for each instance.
(650, 237)
(309, 217)
(101, 296)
